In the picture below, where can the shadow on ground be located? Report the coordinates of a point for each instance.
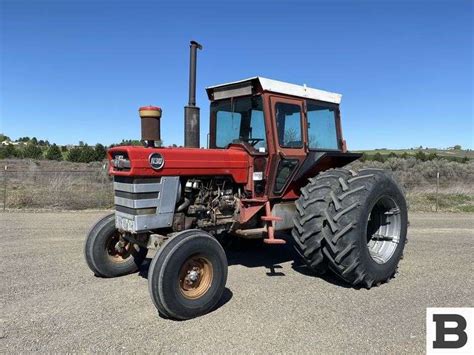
(256, 254)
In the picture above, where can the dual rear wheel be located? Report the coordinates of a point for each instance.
(353, 224)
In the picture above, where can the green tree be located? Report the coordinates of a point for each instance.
(420, 155)
(63, 148)
(432, 156)
(100, 152)
(8, 151)
(404, 155)
(54, 153)
(87, 154)
(32, 151)
(378, 157)
(34, 141)
(130, 142)
(393, 155)
(4, 138)
(457, 147)
(74, 154)
(363, 158)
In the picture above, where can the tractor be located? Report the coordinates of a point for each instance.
(273, 163)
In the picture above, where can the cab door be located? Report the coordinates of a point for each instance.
(289, 143)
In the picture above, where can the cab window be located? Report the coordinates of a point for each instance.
(239, 120)
(288, 121)
(322, 132)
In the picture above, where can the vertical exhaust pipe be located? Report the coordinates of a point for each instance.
(191, 111)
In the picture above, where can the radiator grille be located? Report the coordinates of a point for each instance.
(143, 204)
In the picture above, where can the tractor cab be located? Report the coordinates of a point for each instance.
(287, 129)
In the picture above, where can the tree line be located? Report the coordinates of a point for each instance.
(32, 148)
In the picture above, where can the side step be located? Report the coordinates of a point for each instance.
(269, 219)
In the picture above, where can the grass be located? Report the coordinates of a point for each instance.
(57, 185)
(447, 202)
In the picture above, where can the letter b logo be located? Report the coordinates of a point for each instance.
(449, 330)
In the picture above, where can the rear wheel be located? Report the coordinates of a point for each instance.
(352, 223)
(108, 256)
(187, 276)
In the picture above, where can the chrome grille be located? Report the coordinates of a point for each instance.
(143, 204)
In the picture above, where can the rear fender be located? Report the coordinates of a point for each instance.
(314, 163)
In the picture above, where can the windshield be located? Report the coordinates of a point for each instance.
(239, 120)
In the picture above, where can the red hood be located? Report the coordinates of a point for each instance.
(233, 162)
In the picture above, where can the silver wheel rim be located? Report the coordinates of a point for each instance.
(383, 230)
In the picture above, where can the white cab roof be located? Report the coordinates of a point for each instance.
(285, 88)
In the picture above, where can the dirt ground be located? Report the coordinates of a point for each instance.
(51, 301)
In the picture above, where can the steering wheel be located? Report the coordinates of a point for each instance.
(252, 141)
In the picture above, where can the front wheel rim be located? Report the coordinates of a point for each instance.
(115, 255)
(195, 277)
(383, 229)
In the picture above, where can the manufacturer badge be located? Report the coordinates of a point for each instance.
(156, 161)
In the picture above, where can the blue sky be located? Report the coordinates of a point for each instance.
(79, 70)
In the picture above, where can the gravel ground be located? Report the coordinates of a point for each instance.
(51, 302)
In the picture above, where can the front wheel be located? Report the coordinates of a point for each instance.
(107, 259)
(187, 276)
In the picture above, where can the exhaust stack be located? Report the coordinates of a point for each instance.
(191, 111)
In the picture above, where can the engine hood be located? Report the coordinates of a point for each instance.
(233, 162)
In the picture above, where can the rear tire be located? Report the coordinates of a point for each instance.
(188, 274)
(100, 253)
(352, 223)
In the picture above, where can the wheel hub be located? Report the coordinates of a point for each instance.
(383, 230)
(195, 277)
(118, 249)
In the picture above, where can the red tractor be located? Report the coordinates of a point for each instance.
(274, 163)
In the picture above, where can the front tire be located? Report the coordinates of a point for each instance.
(188, 274)
(102, 257)
(354, 224)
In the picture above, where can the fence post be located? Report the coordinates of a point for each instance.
(437, 190)
(102, 188)
(5, 188)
